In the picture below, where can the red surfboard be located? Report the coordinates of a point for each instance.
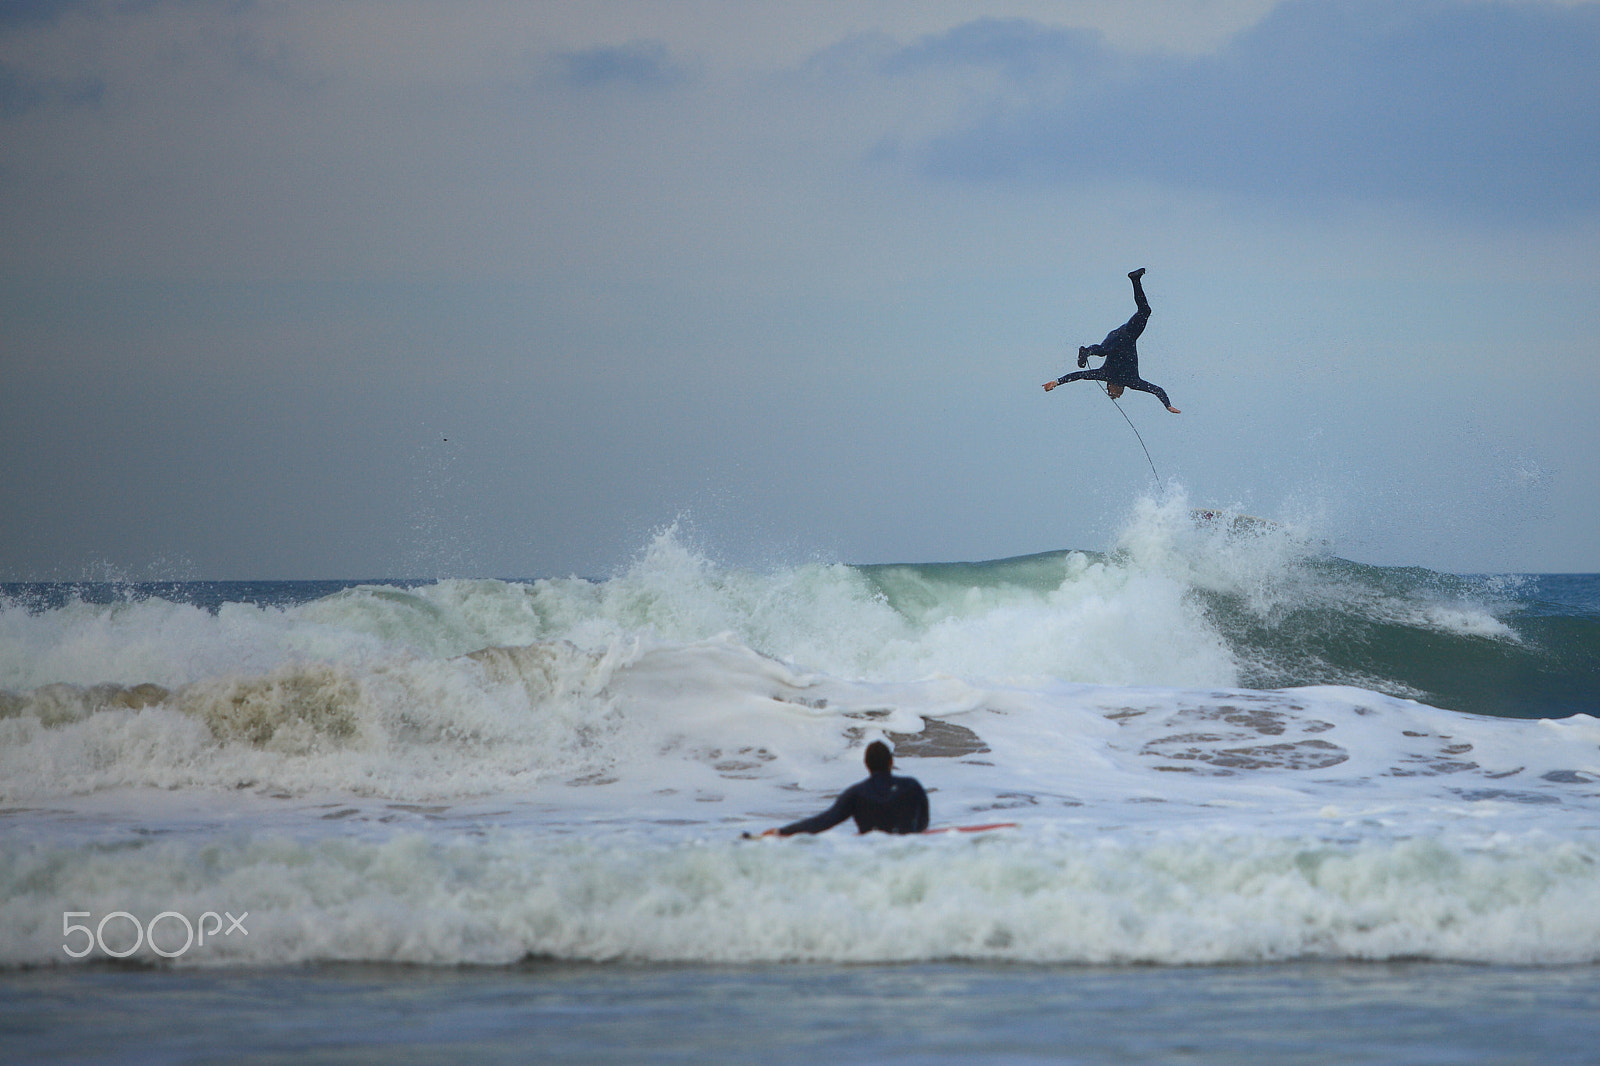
(971, 828)
(941, 829)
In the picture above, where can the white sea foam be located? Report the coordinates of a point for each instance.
(478, 770)
(1036, 894)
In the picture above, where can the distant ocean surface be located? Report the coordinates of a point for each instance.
(1267, 802)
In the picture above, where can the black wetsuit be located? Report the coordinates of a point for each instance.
(882, 802)
(1122, 357)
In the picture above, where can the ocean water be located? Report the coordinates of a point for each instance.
(1260, 799)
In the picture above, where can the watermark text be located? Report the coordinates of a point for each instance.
(79, 940)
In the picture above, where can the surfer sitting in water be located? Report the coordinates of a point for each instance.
(882, 802)
(1121, 366)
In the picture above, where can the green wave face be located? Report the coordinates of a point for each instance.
(1417, 633)
(1519, 647)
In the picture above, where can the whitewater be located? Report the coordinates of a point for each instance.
(1218, 743)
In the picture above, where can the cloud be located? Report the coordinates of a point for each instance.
(638, 65)
(27, 12)
(23, 90)
(1024, 50)
(20, 93)
(1483, 107)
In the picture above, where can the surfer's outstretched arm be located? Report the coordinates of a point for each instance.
(843, 807)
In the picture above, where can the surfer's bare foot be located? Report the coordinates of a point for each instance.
(1135, 275)
(1174, 410)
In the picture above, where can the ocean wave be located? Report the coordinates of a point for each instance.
(446, 688)
(1183, 597)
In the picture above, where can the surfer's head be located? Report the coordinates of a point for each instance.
(879, 758)
(1114, 391)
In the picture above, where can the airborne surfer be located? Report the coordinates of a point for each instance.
(1121, 367)
(882, 802)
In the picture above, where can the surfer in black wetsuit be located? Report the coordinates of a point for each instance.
(882, 802)
(1121, 367)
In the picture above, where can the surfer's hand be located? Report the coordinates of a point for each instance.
(1050, 385)
(1174, 410)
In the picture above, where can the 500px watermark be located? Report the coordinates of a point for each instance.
(96, 937)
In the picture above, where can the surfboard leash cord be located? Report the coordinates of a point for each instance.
(1136, 432)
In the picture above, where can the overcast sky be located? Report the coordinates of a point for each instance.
(377, 288)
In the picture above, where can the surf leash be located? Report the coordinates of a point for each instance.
(1136, 432)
